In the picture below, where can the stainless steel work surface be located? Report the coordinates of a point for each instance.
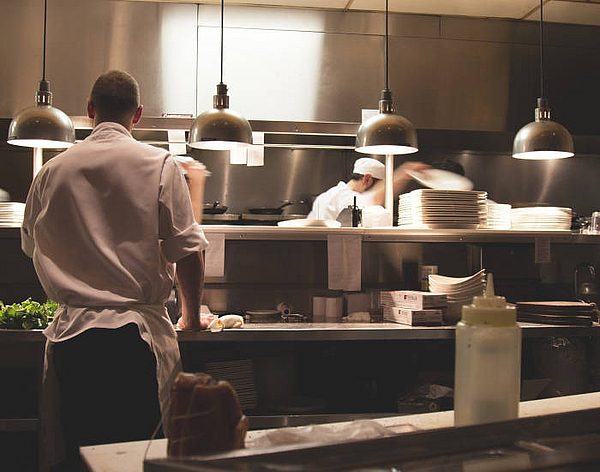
(395, 234)
(329, 332)
(361, 332)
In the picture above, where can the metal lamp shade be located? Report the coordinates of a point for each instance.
(220, 129)
(41, 126)
(386, 134)
(544, 139)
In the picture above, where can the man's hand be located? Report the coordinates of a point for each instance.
(401, 177)
(400, 172)
(196, 172)
(188, 324)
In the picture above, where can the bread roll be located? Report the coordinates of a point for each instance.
(205, 416)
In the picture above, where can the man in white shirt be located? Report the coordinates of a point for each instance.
(367, 185)
(105, 221)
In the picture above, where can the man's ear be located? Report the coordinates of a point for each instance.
(91, 112)
(138, 115)
(368, 180)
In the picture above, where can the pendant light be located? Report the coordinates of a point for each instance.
(542, 138)
(386, 133)
(220, 128)
(42, 125)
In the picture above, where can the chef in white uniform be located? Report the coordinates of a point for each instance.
(105, 221)
(367, 184)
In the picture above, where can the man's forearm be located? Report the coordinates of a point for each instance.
(190, 277)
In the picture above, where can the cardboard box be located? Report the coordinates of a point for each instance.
(396, 314)
(413, 299)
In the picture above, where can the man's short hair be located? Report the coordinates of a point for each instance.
(356, 176)
(115, 95)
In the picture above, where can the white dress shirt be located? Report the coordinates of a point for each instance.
(330, 204)
(104, 222)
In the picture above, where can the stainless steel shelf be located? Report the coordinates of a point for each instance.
(308, 128)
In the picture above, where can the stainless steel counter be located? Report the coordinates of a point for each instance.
(390, 234)
(395, 234)
(259, 332)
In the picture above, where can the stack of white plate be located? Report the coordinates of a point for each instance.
(442, 209)
(459, 291)
(541, 218)
(11, 214)
(498, 215)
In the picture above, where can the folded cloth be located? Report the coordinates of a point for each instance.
(226, 321)
(206, 319)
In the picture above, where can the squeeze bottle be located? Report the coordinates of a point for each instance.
(487, 374)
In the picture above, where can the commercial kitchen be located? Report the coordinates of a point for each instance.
(467, 76)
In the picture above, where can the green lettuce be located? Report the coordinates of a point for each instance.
(28, 314)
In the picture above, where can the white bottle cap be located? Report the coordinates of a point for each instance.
(489, 309)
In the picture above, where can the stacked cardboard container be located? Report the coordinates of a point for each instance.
(413, 307)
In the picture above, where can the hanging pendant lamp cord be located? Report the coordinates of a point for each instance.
(44, 50)
(386, 47)
(541, 48)
(222, 10)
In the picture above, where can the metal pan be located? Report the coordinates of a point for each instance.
(214, 208)
(270, 210)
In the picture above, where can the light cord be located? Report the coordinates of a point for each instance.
(386, 47)
(222, 10)
(44, 50)
(541, 48)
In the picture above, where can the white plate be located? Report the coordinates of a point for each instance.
(440, 179)
(444, 279)
(303, 223)
(457, 293)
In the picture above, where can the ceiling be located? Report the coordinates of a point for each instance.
(582, 12)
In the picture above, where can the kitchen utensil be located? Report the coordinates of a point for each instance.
(270, 210)
(214, 208)
(440, 179)
(263, 316)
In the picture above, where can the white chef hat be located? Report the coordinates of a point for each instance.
(368, 165)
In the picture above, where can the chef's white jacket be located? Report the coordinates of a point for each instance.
(330, 204)
(104, 222)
